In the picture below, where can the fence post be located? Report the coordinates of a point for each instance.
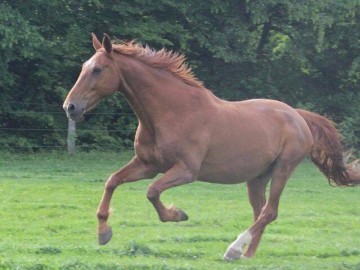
(71, 138)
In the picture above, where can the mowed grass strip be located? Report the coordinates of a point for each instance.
(48, 220)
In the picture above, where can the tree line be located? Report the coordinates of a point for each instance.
(305, 53)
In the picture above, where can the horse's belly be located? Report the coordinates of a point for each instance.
(222, 177)
(235, 170)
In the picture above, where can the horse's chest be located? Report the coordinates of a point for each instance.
(158, 155)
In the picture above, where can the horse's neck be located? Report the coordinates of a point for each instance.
(157, 95)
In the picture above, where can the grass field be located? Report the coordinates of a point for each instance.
(48, 220)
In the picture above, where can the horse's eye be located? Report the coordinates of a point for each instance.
(96, 71)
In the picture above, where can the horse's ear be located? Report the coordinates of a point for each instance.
(106, 43)
(96, 42)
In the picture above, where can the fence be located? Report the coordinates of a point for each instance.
(69, 130)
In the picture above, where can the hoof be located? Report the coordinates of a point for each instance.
(182, 216)
(105, 237)
(232, 254)
(174, 214)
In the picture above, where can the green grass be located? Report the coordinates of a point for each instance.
(48, 220)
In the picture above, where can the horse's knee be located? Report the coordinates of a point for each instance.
(152, 194)
(111, 184)
(109, 187)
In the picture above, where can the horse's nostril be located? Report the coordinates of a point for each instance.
(71, 108)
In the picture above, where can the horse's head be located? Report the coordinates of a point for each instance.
(98, 79)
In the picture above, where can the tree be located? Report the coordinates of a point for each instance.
(305, 53)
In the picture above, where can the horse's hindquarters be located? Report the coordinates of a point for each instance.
(248, 137)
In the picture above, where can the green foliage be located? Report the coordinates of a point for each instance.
(306, 53)
(19, 41)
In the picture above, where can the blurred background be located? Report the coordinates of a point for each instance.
(305, 53)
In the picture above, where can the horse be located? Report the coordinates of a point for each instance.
(188, 134)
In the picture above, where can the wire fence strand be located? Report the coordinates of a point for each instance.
(56, 110)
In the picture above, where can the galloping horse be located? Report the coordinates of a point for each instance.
(188, 134)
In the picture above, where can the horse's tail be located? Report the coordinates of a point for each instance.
(327, 151)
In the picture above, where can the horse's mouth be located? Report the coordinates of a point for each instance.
(74, 112)
(75, 117)
(79, 116)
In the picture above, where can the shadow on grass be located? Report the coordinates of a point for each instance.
(135, 249)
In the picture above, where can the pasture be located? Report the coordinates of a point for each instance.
(48, 220)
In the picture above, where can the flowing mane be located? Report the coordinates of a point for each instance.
(164, 59)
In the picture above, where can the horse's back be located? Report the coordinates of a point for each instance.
(248, 136)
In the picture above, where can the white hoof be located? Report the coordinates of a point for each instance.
(238, 247)
(232, 254)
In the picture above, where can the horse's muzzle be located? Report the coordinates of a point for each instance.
(74, 111)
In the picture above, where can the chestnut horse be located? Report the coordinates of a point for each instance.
(188, 134)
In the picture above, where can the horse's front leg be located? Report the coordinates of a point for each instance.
(179, 174)
(135, 170)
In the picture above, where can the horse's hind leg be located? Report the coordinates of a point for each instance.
(133, 171)
(257, 198)
(281, 173)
